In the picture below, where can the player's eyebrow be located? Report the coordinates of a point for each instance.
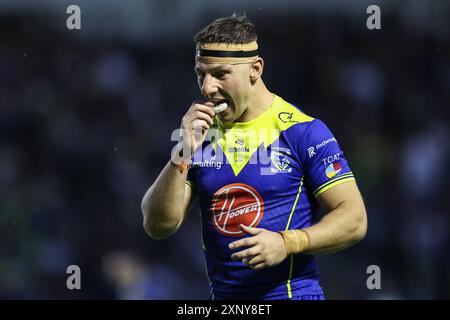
(218, 68)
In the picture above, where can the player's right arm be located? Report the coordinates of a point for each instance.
(166, 202)
(169, 198)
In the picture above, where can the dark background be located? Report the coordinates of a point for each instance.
(86, 117)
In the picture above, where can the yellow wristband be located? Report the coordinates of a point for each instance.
(296, 241)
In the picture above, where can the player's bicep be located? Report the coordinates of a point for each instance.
(345, 193)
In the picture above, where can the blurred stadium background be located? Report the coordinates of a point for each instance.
(86, 118)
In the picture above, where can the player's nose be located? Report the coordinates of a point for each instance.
(209, 88)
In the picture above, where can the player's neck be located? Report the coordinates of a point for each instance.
(261, 100)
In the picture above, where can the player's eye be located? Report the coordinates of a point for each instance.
(220, 75)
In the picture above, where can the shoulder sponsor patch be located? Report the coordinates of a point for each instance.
(333, 169)
(286, 117)
(331, 159)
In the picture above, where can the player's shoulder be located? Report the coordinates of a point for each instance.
(288, 112)
(295, 118)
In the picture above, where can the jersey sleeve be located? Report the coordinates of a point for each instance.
(324, 163)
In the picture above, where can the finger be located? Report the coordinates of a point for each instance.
(248, 253)
(203, 116)
(199, 115)
(250, 230)
(200, 124)
(245, 261)
(259, 266)
(205, 106)
(255, 260)
(246, 242)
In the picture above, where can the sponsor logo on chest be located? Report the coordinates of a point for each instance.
(233, 205)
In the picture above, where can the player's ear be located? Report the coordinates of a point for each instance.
(256, 69)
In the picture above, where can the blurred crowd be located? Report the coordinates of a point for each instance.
(85, 129)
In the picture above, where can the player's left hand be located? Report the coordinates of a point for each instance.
(264, 249)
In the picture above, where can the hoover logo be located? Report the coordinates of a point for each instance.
(236, 204)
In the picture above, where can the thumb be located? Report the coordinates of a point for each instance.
(250, 230)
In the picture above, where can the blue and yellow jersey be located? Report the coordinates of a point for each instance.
(265, 173)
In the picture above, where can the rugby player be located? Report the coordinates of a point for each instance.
(260, 168)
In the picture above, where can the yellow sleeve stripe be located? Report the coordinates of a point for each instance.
(330, 184)
(191, 184)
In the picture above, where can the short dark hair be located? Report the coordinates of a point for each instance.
(234, 29)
